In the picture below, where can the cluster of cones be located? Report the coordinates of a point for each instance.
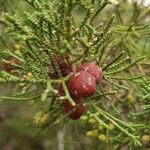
(81, 84)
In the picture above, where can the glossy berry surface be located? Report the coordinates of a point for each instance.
(93, 69)
(63, 66)
(77, 111)
(8, 67)
(81, 85)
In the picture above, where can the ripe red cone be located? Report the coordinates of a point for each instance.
(81, 85)
(93, 69)
(77, 113)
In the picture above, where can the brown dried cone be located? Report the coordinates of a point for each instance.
(8, 66)
(64, 67)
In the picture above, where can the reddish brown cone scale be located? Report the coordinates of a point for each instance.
(8, 67)
(81, 85)
(93, 69)
(64, 68)
(77, 113)
(60, 89)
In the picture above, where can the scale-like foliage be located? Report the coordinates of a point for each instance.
(52, 27)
